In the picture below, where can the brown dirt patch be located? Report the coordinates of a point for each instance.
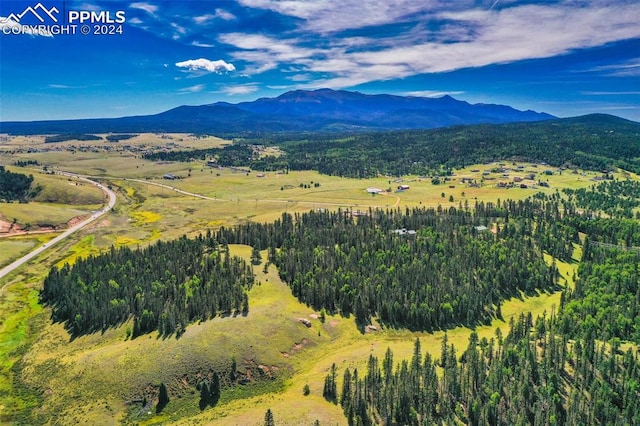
(297, 346)
(5, 226)
(76, 220)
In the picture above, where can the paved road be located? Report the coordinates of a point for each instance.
(95, 215)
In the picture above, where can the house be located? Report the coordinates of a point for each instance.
(404, 231)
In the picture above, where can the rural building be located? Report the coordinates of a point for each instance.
(169, 176)
(404, 231)
(374, 190)
(403, 187)
(481, 228)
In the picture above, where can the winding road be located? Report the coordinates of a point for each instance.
(95, 215)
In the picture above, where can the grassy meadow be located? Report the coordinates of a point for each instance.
(60, 200)
(47, 377)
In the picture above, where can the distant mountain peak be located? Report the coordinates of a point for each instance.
(303, 110)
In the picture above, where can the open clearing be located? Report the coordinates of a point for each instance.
(46, 377)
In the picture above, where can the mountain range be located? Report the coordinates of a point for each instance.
(299, 110)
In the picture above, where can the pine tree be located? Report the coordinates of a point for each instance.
(256, 257)
(214, 389)
(234, 369)
(268, 418)
(204, 395)
(330, 391)
(163, 398)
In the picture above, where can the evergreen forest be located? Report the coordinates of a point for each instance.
(163, 287)
(596, 142)
(534, 375)
(14, 186)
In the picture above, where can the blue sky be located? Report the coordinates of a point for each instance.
(566, 58)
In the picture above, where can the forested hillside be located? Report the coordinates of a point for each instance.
(592, 142)
(14, 186)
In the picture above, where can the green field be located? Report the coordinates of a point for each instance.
(45, 377)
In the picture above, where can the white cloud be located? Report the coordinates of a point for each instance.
(223, 14)
(200, 44)
(88, 6)
(610, 93)
(265, 53)
(298, 8)
(626, 69)
(220, 13)
(461, 37)
(432, 93)
(243, 89)
(203, 18)
(192, 89)
(149, 8)
(202, 64)
(334, 16)
(284, 50)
